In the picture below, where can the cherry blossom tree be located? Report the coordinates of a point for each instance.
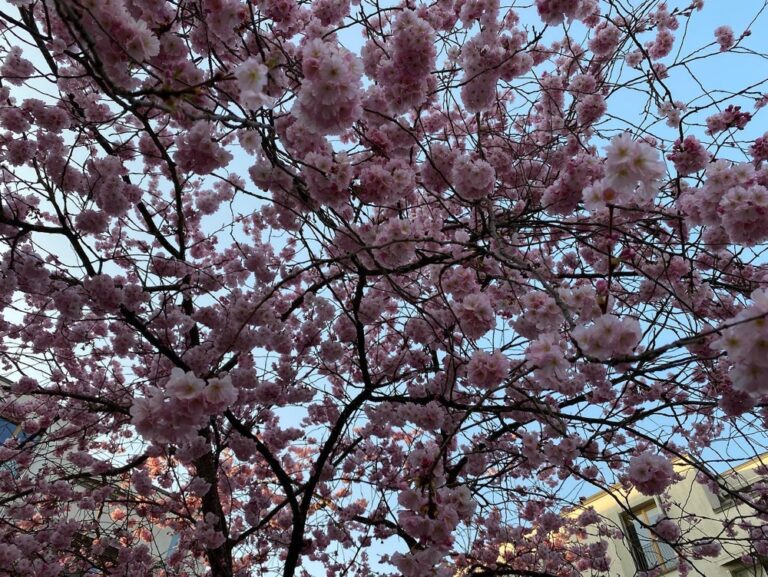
(362, 288)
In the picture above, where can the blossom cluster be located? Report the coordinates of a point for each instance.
(689, 156)
(430, 516)
(548, 356)
(473, 178)
(475, 315)
(329, 100)
(175, 414)
(487, 370)
(481, 72)
(633, 172)
(252, 76)
(564, 195)
(406, 74)
(198, 150)
(725, 37)
(731, 117)
(608, 336)
(746, 344)
(650, 474)
(15, 68)
(554, 12)
(540, 313)
(733, 197)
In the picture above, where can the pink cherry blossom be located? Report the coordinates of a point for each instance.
(548, 357)
(199, 152)
(731, 117)
(183, 385)
(329, 101)
(759, 149)
(608, 336)
(629, 163)
(650, 474)
(725, 37)
(15, 68)
(475, 315)
(220, 392)
(689, 156)
(473, 178)
(252, 79)
(555, 11)
(667, 530)
(144, 44)
(487, 370)
(282, 281)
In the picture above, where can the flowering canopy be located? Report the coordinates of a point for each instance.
(348, 288)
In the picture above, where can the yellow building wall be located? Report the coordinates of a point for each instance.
(685, 496)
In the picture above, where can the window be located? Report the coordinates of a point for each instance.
(757, 570)
(746, 491)
(174, 544)
(735, 484)
(10, 430)
(648, 550)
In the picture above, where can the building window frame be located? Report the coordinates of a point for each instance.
(746, 486)
(647, 549)
(172, 545)
(759, 569)
(11, 430)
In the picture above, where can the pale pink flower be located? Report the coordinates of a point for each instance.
(554, 12)
(673, 112)
(743, 212)
(650, 474)
(707, 548)
(759, 150)
(183, 385)
(689, 156)
(475, 315)
(731, 117)
(667, 530)
(662, 45)
(546, 354)
(590, 108)
(605, 40)
(631, 163)
(144, 44)
(15, 68)
(601, 194)
(252, 77)
(487, 370)
(329, 100)
(473, 178)
(725, 37)
(608, 336)
(634, 58)
(220, 393)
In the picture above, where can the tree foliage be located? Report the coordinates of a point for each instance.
(371, 289)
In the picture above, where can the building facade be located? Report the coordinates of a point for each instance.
(721, 511)
(88, 540)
